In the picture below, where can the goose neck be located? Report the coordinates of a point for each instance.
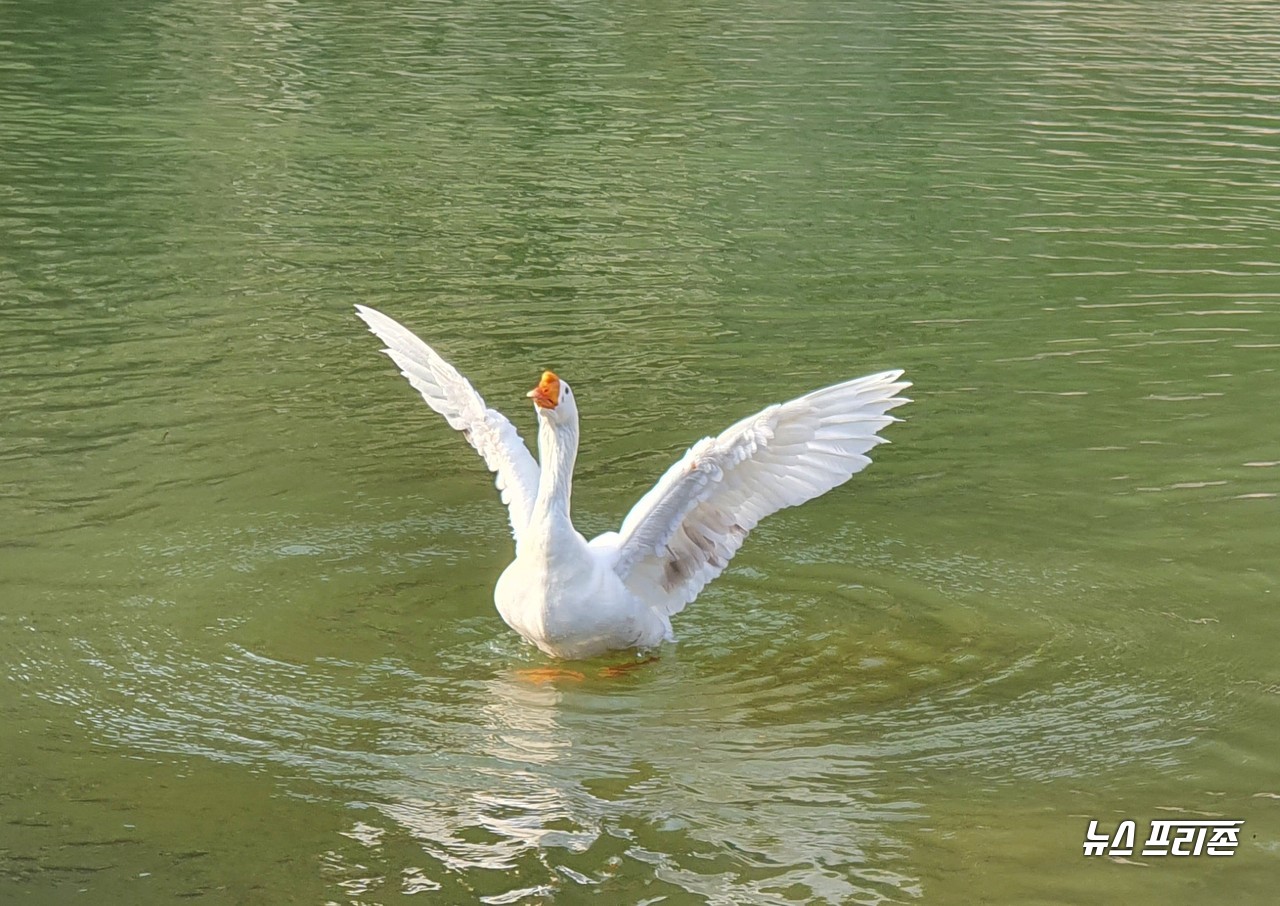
(557, 449)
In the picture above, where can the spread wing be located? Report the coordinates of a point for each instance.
(450, 394)
(682, 534)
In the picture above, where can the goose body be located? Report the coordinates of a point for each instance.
(577, 599)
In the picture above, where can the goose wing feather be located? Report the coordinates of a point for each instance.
(450, 394)
(684, 531)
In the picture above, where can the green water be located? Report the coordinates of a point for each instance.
(248, 649)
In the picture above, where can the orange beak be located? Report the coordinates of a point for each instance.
(547, 393)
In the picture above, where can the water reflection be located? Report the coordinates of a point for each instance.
(704, 776)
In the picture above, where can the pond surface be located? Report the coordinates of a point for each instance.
(249, 652)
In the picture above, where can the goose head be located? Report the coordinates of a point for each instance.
(553, 400)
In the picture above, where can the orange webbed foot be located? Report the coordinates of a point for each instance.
(623, 669)
(542, 675)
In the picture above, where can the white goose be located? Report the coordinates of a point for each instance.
(577, 599)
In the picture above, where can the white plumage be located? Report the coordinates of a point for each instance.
(575, 599)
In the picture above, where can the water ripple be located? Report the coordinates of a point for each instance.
(713, 781)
